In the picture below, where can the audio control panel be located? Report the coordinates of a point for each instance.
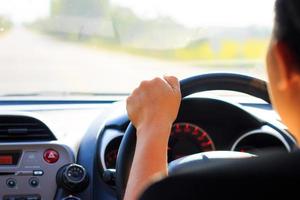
(28, 171)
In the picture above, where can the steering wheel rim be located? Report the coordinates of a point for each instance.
(200, 83)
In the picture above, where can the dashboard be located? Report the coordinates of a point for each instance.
(206, 125)
(68, 150)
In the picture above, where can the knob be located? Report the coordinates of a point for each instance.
(109, 176)
(72, 177)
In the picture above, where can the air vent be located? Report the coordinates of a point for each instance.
(23, 128)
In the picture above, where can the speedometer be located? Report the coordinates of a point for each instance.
(187, 139)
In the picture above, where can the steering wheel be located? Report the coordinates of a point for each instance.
(206, 82)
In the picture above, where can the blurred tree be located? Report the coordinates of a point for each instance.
(124, 18)
(5, 24)
(123, 21)
(56, 7)
(87, 8)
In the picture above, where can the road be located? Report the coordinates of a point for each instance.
(32, 62)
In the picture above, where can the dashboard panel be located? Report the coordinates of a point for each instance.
(33, 155)
(27, 169)
(92, 133)
(219, 125)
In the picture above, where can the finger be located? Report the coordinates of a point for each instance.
(173, 82)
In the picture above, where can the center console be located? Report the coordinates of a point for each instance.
(28, 171)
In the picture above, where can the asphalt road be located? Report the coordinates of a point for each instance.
(31, 62)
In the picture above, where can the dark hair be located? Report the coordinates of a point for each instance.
(287, 24)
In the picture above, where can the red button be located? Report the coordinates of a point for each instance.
(51, 156)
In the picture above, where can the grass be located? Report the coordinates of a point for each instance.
(243, 53)
(254, 49)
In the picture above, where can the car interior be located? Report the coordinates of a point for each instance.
(67, 67)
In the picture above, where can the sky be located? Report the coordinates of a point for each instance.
(24, 10)
(207, 12)
(191, 13)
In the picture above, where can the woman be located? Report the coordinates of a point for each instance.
(152, 112)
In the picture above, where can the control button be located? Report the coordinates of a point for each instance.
(38, 173)
(34, 182)
(11, 182)
(51, 156)
(72, 178)
(75, 173)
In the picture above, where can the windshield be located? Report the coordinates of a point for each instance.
(109, 46)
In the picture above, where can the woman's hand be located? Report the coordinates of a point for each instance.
(155, 102)
(152, 108)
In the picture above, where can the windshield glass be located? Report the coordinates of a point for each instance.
(109, 46)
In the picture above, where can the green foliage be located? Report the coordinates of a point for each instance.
(56, 7)
(124, 18)
(87, 8)
(5, 24)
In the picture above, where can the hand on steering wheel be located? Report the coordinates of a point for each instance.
(152, 106)
(233, 82)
